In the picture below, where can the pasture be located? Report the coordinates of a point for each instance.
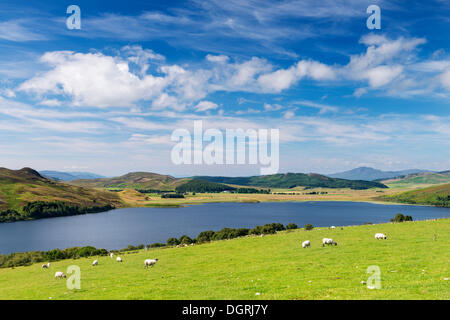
(414, 263)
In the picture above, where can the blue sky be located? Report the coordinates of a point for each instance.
(106, 98)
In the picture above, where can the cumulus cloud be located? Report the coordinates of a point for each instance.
(93, 79)
(136, 74)
(284, 78)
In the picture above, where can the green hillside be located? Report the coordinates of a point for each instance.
(436, 195)
(424, 178)
(133, 180)
(291, 180)
(412, 261)
(199, 185)
(26, 188)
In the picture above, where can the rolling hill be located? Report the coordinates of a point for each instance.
(20, 188)
(424, 178)
(436, 196)
(291, 180)
(133, 180)
(68, 176)
(370, 174)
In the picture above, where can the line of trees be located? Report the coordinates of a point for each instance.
(28, 258)
(42, 209)
(31, 257)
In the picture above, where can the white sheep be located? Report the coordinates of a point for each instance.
(332, 227)
(380, 236)
(150, 262)
(328, 241)
(306, 244)
(111, 255)
(95, 263)
(59, 274)
(46, 265)
(119, 259)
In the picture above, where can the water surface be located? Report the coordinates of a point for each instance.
(119, 228)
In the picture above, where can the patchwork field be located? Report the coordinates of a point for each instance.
(414, 263)
(136, 199)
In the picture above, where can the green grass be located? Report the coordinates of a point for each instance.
(414, 262)
(19, 187)
(436, 195)
(418, 180)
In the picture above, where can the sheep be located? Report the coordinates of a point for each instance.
(119, 259)
(150, 262)
(95, 263)
(59, 274)
(332, 227)
(46, 265)
(111, 255)
(328, 241)
(380, 236)
(306, 244)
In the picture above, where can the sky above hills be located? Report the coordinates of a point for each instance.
(106, 98)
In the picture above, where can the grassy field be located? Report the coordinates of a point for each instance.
(435, 195)
(414, 263)
(418, 180)
(19, 187)
(136, 199)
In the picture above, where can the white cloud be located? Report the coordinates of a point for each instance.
(165, 101)
(50, 103)
(272, 107)
(284, 78)
(205, 105)
(14, 30)
(93, 79)
(219, 58)
(445, 79)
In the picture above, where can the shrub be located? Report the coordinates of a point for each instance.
(205, 236)
(401, 218)
(172, 196)
(291, 226)
(173, 242)
(156, 245)
(185, 240)
(308, 226)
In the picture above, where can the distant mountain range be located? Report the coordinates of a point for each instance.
(371, 174)
(148, 181)
(68, 176)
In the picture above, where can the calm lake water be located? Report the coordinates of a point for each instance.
(119, 228)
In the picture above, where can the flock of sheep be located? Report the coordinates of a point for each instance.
(152, 262)
(329, 241)
(60, 274)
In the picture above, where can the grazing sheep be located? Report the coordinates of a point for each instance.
(380, 236)
(95, 263)
(59, 274)
(46, 265)
(119, 259)
(111, 255)
(150, 262)
(306, 244)
(332, 227)
(328, 241)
